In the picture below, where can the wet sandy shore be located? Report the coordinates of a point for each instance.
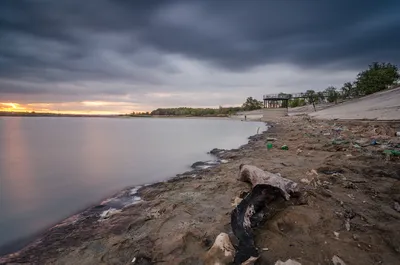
(351, 205)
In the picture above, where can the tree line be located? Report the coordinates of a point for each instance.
(378, 77)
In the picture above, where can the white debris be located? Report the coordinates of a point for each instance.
(134, 190)
(288, 262)
(305, 181)
(336, 234)
(134, 260)
(107, 213)
(347, 224)
(337, 261)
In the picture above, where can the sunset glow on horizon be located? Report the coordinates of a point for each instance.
(75, 108)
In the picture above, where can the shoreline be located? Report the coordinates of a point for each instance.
(122, 199)
(351, 191)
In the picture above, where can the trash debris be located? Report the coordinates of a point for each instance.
(222, 251)
(305, 181)
(327, 134)
(299, 151)
(337, 141)
(397, 133)
(288, 262)
(336, 234)
(374, 142)
(265, 249)
(347, 224)
(271, 139)
(269, 146)
(396, 206)
(285, 147)
(392, 152)
(357, 146)
(337, 261)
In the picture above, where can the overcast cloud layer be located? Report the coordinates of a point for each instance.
(140, 55)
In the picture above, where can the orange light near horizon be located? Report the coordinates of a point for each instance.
(93, 108)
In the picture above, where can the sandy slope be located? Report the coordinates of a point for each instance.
(379, 106)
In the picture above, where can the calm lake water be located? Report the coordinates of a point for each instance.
(51, 168)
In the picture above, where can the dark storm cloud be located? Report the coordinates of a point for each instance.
(69, 40)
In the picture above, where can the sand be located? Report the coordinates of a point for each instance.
(351, 193)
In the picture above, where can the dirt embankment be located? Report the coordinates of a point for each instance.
(350, 209)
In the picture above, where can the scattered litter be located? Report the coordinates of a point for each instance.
(285, 147)
(336, 234)
(271, 139)
(396, 206)
(349, 155)
(337, 261)
(356, 146)
(298, 151)
(374, 142)
(327, 134)
(351, 196)
(347, 224)
(288, 262)
(305, 181)
(265, 249)
(134, 260)
(269, 145)
(392, 152)
(312, 173)
(108, 213)
(397, 133)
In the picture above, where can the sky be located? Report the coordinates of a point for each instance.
(116, 56)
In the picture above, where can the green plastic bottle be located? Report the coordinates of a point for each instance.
(269, 145)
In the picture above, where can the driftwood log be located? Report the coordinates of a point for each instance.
(255, 176)
(268, 194)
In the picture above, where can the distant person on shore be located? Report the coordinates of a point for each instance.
(245, 117)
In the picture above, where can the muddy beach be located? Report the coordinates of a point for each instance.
(350, 205)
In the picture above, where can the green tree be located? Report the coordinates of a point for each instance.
(332, 94)
(312, 97)
(377, 77)
(252, 104)
(320, 96)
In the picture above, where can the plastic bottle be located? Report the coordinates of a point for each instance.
(269, 145)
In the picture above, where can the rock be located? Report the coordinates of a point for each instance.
(337, 261)
(288, 262)
(222, 251)
(216, 151)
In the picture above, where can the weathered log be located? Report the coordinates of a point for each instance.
(255, 176)
(252, 210)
